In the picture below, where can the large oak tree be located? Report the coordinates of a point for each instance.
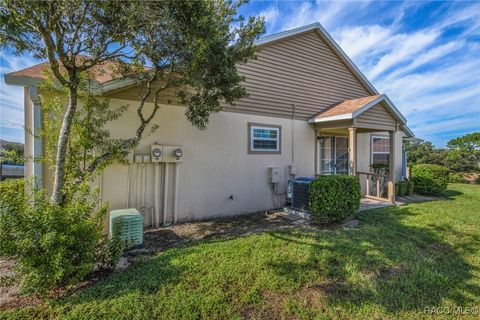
(192, 45)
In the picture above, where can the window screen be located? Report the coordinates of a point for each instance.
(380, 150)
(264, 139)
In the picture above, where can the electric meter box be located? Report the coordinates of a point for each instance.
(274, 175)
(156, 153)
(172, 154)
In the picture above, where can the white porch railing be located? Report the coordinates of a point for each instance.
(376, 185)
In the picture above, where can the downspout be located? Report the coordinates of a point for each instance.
(37, 138)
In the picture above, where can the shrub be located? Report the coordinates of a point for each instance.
(430, 179)
(456, 178)
(401, 188)
(410, 187)
(334, 198)
(108, 252)
(54, 245)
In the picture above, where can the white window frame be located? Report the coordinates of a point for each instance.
(278, 139)
(378, 152)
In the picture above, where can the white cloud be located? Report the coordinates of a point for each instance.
(11, 99)
(404, 47)
(428, 56)
(271, 15)
(362, 39)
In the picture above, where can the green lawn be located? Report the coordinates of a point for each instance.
(399, 261)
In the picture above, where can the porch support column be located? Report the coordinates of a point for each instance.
(352, 150)
(391, 175)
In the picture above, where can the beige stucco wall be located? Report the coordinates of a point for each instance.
(215, 164)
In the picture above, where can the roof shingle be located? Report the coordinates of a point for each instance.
(345, 107)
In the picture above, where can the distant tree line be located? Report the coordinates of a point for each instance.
(462, 154)
(11, 152)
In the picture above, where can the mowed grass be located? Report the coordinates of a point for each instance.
(399, 261)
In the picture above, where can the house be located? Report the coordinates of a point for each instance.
(310, 111)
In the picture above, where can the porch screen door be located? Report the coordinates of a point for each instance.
(333, 155)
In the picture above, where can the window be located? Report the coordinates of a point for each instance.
(380, 150)
(263, 138)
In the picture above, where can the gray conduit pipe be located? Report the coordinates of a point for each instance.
(175, 194)
(157, 195)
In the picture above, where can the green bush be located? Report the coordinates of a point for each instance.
(456, 178)
(54, 245)
(430, 179)
(334, 198)
(401, 188)
(410, 187)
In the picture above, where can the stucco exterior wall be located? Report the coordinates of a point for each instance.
(215, 166)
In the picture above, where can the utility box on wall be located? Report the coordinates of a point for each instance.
(172, 154)
(274, 175)
(156, 153)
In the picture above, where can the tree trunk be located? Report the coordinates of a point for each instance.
(59, 175)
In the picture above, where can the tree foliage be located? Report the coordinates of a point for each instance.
(192, 46)
(89, 135)
(464, 153)
(422, 151)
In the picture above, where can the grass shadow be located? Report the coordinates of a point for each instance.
(387, 262)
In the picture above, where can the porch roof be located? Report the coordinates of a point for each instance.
(351, 109)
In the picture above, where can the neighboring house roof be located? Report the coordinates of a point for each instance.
(102, 73)
(350, 109)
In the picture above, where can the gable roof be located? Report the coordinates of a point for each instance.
(350, 109)
(31, 75)
(320, 30)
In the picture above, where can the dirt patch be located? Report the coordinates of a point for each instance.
(271, 309)
(389, 273)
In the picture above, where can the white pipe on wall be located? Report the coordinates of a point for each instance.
(165, 194)
(157, 195)
(128, 184)
(144, 191)
(175, 194)
(137, 186)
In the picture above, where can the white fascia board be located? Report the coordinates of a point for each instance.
(390, 106)
(368, 105)
(408, 131)
(332, 118)
(394, 109)
(285, 34)
(22, 81)
(115, 85)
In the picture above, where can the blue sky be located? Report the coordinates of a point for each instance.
(424, 55)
